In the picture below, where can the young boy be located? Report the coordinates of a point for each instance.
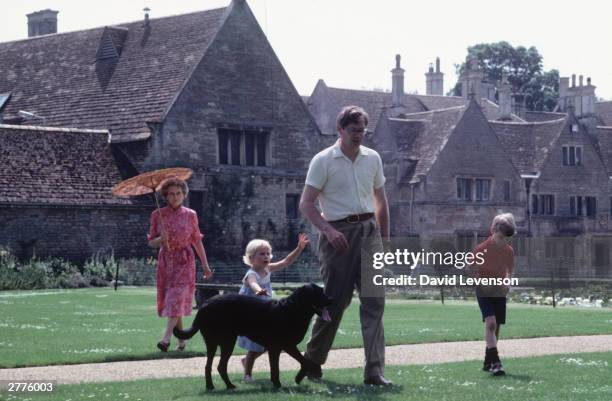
(498, 263)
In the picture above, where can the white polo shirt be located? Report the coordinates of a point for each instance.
(346, 187)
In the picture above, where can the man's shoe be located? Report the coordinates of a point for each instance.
(378, 380)
(309, 369)
(497, 369)
(314, 372)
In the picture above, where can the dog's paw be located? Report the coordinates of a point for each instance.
(210, 387)
(231, 387)
(300, 376)
(277, 384)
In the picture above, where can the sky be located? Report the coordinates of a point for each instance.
(353, 43)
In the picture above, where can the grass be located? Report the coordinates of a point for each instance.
(555, 377)
(96, 325)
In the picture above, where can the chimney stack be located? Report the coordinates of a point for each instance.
(579, 100)
(146, 16)
(434, 80)
(471, 79)
(397, 82)
(505, 98)
(43, 22)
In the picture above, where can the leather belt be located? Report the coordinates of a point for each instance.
(355, 218)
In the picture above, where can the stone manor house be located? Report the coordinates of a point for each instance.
(80, 111)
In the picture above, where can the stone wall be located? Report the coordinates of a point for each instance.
(74, 233)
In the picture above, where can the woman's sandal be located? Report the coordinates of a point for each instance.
(163, 347)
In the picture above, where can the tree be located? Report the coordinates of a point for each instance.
(524, 69)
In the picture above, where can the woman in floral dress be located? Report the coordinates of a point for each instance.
(176, 236)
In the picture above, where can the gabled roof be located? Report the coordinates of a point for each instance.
(528, 143)
(604, 111)
(604, 145)
(57, 166)
(437, 102)
(57, 77)
(439, 127)
(420, 137)
(375, 101)
(372, 102)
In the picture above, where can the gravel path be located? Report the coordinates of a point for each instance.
(343, 358)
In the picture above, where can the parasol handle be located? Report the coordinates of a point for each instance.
(161, 218)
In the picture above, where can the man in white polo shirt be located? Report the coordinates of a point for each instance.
(347, 179)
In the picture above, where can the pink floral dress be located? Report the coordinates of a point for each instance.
(176, 265)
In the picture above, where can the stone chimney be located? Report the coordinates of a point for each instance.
(505, 98)
(579, 97)
(434, 80)
(42, 22)
(397, 83)
(471, 79)
(563, 87)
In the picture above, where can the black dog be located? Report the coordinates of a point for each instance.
(276, 325)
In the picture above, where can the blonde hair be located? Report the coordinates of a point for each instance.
(504, 223)
(252, 247)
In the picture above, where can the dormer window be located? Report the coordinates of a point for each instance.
(3, 99)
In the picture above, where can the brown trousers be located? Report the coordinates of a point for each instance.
(342, 273)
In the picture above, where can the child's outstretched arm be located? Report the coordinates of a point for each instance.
(281, 264)
(252, 283)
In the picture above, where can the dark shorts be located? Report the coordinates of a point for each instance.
(493, 306)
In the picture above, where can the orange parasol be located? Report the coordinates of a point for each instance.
(148, 182)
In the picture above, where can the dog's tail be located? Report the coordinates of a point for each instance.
(186, 334)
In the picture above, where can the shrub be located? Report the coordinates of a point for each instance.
(99, 270)
(8, 270)
(34, 275)
(134, 271)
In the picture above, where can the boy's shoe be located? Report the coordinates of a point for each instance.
(497, 369)
(247, 378)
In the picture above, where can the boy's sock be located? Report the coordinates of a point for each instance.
(486, 365)
(493, 354)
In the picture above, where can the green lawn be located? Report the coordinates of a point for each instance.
(94, 325)
(555, 377)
